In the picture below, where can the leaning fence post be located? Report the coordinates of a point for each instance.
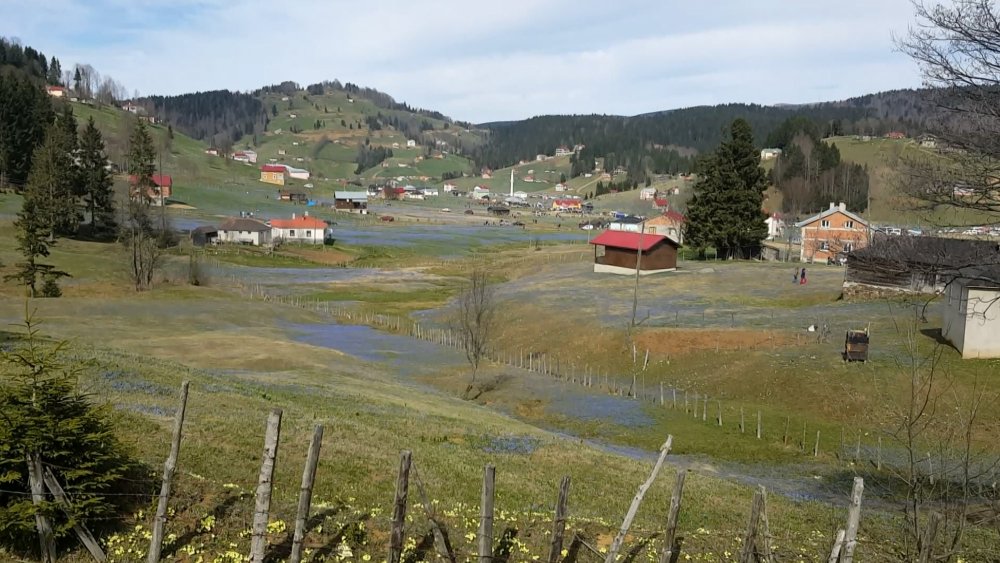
(399, 508)
(305, 494)
(86, 538)
(668, 553)
(265, 482)
(759, 426)
(486, 515)
(160, 520)
(46, 539)
(816, 447)
(927, 539)
(616, 544)
(853, 519)
(838, 545)
(559, 524)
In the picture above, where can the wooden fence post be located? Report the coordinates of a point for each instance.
(86, 538)
(816, 447)
(46, 539)
(305, 494)
(760, 430)
(668, 554)
(853, 519)
(720, 413)
(265, 482)
(748, 553)
(399, 507)
(444, 548)
(838, 545)
(486, 515)
(160, 520)
(616, 544)
(559, 524)
(742, 422)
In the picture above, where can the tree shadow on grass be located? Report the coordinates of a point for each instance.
(218, 512)
(631, 555)
(281, 551)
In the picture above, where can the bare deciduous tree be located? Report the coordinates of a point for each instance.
(476, 319)
(957, 47)
(142, 244)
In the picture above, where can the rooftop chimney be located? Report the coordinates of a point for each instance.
(293, 216)
(833, 205)
(843, 206)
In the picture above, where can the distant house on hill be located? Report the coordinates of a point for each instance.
(204, 235)
(830, 232)
(769, 154)
(297, 173)
(157, 194)
(248, 156)
(410, 143)
(244, 231)
(895, 135)
(56, 91)
(273, 174)
(305, 229)
(212, 151)
(619, 252)
(670, 224)
(646, 194)
(563, 150)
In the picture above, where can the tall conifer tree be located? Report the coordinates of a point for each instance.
(95, 182)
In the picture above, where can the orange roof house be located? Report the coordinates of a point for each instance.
(161, 189)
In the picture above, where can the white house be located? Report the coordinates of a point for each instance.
(769, 154)
(410, 143)
(971, 318)
(646, 194)
(449, 187)
(480, 192)
(775, 226)
(629, 224)
(563, 151)
(304, 229)
(245, 156)
(430, 191)
(297, 173)
(244, 231)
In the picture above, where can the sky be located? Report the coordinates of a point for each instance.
(488, 60)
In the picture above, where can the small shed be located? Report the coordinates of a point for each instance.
(618, 252)
(499, 210)
(972, 314)
(204, 235)
(351, 201)
(293, 196)
(856, 346)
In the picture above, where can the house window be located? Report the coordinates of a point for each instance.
(291, 232)
(824, 245)
(848, 247)
(849, 224)
(309, 234)
(825, 223)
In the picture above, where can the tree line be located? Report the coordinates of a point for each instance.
(369, 157)
(809, 173)
(219, 117)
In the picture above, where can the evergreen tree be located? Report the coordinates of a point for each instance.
(141, 162)
(95, 182)
(55, 72)
(77, 80)
(47, 418)
(25, 113)
(726, 211)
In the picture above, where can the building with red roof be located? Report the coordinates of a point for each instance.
(619, 252)
(162, 188)
(273, 174)
(56, 91)
(567, 204)
(301, 228)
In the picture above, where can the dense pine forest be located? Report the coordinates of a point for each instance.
(219, 117)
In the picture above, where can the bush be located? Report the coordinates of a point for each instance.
(51, 287)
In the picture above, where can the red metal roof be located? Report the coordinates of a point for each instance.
(674, 216)
(298, 223)
(163, 181)
(629, 240)
(568, 202)
(272, 168)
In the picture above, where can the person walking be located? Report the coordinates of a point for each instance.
(795, 276)
(802, 277)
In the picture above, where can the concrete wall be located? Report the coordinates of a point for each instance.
(606, 269)
(971, 319)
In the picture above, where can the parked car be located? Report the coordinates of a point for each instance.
(445, 210)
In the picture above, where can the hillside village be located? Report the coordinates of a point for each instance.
(461, 341)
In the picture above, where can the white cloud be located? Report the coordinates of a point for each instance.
(488, 60)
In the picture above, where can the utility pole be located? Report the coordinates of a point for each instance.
(638, 263)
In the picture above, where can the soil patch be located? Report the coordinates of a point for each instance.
(676, 342)
(327, 257)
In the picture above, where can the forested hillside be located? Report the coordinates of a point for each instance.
(219, 117)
